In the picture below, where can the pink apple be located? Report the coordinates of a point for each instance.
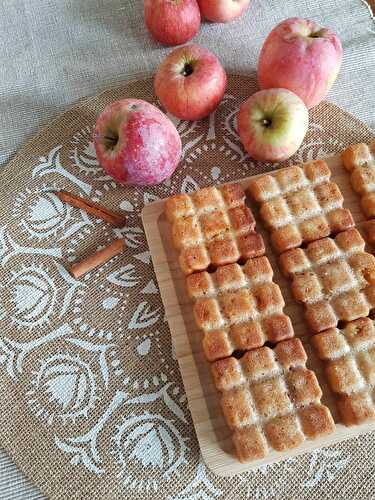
(172, 22)
(222, 11)
(272, 124)
(190, 82)
(136, 143)
(301, 56)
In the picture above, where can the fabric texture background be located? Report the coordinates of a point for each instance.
(93, 404)
(53, 54)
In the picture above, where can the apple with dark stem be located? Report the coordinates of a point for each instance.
(172, 22)
(136, 143)
(272, 124)
(190, 82)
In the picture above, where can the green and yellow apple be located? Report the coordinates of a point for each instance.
(272, 124)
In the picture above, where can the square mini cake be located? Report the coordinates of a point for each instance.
(334, 278)
(359, 159)
(238, 308)
(300, 204)
(271, 400)
(212, 227)
(349, 356)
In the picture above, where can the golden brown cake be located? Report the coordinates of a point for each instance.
(300, 204)
(334, 278)
(349, 355)
(238, 308)
(270, 400)
(212, 227)
(359, 159)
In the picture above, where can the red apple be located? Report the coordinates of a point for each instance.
(136, 143)
(301, 56)
(172, 22)
(190, 82)
(272, 124)
(222, 11)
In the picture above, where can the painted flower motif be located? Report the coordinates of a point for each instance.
(184, 127)
(89, 151)
(309, 152)
(150, 441)
(45, 215)
(65, 387)
(133, 236)
(255, 484)
(144, 316)
(325, 465)
(125, 276)
(34, 296)
(229, 125)
(189, 185)
(83, 155)
(86, 159)
(200, 488)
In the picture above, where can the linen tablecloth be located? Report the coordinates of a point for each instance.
(56, 52)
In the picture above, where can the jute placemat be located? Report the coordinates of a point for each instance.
(92, 403)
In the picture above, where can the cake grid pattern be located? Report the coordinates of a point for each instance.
(271, 400)
(238, 308)
(349, 356)
(333, 278)
(300, 204)
(213, 227)
(359, 159)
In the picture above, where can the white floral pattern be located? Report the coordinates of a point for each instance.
(153, 442)
(102, 378)
(45, 215)
(325, 465)
(34, 296)
(200, 487)
(68, 385)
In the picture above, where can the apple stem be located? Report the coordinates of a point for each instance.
(187, 70)
(110, 142)
(316, 34)
(266, 122)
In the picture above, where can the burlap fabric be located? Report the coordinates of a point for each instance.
(93, 405)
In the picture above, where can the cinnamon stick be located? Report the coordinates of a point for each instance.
(98, 259)
(91, 208)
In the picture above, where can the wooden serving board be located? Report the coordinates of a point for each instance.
(204, 401)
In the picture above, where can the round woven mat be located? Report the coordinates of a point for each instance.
(92, 400)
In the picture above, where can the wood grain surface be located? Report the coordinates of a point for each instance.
(212, 432)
